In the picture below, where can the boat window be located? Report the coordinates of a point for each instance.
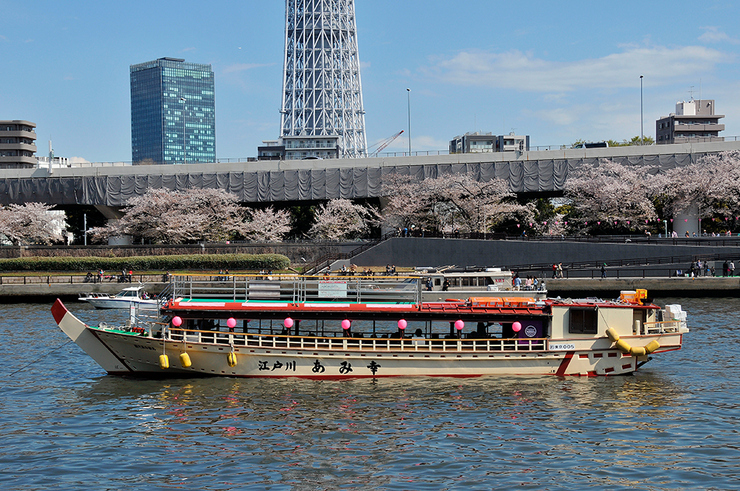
(583, 321)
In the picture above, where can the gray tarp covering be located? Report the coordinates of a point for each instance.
(302, 184)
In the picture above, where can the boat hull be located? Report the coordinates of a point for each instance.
(140, 354)
(119, 303)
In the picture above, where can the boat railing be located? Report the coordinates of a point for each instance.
(297, 288)
(662, 327)
(282, 341)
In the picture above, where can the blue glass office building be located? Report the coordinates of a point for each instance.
(173, 112)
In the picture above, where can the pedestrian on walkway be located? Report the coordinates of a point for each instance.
(603, 270)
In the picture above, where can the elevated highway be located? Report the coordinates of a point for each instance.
(312, 180)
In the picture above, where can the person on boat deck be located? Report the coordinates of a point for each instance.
(418, 338)
(480, 331)
(430, 285)
(517, 282)
(446, 285)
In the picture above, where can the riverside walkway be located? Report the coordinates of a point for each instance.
(44, 288)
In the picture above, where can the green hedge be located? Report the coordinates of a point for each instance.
(192, 262)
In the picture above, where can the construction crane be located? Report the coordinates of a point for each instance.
(384, 143)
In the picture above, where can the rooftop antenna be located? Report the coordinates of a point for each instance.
(691, 92)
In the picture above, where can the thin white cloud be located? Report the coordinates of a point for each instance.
(241, 67)
(524, 72)
(712, 34)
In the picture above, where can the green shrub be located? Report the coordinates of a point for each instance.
(192, 262)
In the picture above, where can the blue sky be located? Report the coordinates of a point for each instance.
(557, 71)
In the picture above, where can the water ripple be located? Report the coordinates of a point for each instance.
(66, 425)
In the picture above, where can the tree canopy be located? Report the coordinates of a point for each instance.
(30, 223)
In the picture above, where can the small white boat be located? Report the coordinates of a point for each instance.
(121, 300)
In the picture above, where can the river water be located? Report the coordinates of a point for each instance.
(64, 424)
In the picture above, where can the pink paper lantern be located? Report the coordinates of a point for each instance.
(459, 325)
(176, 321)
(685, 219)
(402, 324)
(288, 322)
(517, 225)
(646, 221)
(598, 223)
(346, 324)
(231, 322)
(517, 326)
(671, 220)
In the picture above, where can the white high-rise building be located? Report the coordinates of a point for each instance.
(322, 115)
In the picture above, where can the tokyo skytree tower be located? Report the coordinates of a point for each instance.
(322, 112)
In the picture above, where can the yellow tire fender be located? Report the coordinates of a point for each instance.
(637, 351)
(652, 346)
(185, 360)
(623, 346)
(611, 333)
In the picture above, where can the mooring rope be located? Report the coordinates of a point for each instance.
(44, 356)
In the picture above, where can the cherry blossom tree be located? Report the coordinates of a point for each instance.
(451, 201)
(711, 186)
(406, 202)
(610, 192)
(341, 219)
(176, 217)
(30, 223)
(478, 206)
(267, 225)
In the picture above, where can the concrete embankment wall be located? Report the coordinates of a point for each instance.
(656, 287)
(43, 291)
(298, 252)
(415, 251)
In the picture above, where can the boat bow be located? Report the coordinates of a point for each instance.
(86, 339)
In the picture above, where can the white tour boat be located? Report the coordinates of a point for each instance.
(133, 295)
(318, 327)
(461, 283)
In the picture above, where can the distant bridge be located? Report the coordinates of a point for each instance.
(315, 180)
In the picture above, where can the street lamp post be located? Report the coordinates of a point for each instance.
(408, 100)
(184, 152)
(642, 138)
